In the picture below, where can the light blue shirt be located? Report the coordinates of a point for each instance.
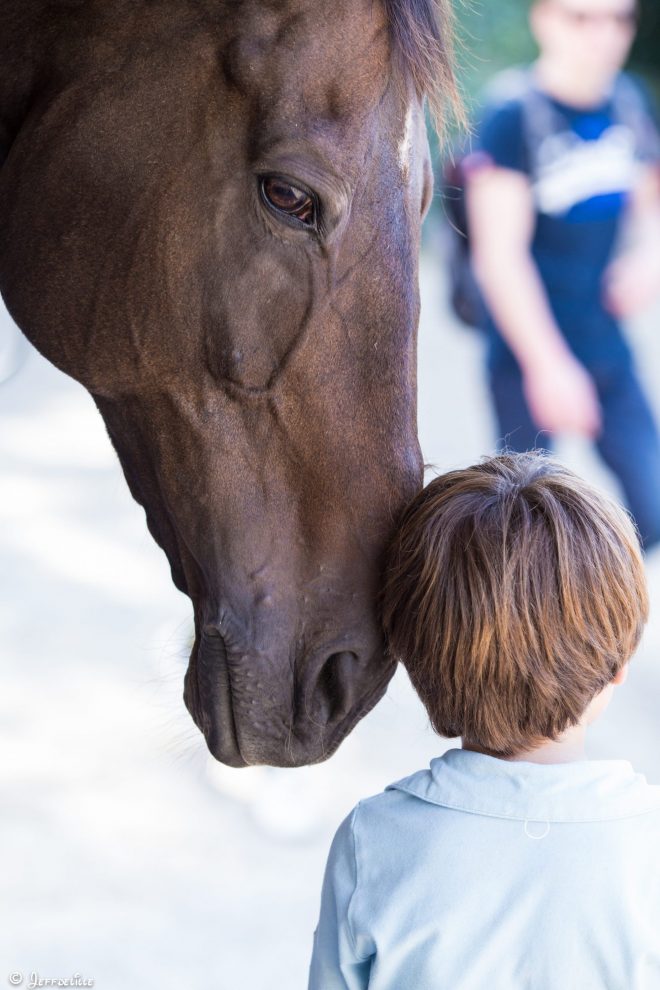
(486, 874)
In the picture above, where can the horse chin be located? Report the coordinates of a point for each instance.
(208, 677)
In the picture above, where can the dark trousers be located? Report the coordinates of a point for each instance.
(629, 442)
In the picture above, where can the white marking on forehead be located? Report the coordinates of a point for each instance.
(405, 144)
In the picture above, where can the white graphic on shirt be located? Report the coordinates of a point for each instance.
(571, 170)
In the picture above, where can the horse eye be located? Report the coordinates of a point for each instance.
(288, 199)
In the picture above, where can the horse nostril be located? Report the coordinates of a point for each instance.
(335, 685)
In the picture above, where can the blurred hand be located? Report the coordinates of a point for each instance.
(562, 397)
(632, 283)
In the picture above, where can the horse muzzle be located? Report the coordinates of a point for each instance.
(255, 707)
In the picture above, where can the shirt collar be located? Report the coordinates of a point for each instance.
(586, 790)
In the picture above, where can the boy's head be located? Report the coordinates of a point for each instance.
(514, 593)
(585, 36)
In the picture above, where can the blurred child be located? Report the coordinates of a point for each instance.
(560, 164)
(515, 596)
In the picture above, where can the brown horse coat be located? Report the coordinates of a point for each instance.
(210, 215)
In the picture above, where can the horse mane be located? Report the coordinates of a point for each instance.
(422, 33)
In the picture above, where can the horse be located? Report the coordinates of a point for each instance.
(210, 218)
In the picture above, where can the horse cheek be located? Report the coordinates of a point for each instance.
(254, 318)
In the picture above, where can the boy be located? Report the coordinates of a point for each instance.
(515, 596)
(563, 160)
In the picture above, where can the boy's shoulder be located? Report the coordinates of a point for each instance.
(417, 784)
(395, 808)
(384, 822)
(402, 804)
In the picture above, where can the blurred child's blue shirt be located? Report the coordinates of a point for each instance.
(485, 874)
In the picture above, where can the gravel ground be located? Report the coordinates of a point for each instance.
(127, 855)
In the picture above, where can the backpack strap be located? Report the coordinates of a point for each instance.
(539, 118)
(631, 108)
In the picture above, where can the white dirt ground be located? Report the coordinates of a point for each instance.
(126, 855)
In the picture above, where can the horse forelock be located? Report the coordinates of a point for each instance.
(422, 36)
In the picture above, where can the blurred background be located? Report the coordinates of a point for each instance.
(126, 854)
(494, 36)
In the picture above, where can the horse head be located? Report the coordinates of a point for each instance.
(210, 218)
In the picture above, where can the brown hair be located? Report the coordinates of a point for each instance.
(514, 592)
(422, 33)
